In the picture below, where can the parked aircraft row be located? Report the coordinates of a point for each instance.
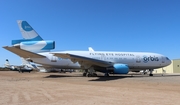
(28, 66)
(25, 67)
(33, 48)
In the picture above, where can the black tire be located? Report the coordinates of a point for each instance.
(84, 74)
(150, 74)
(89, 75)
(94, 74)
(106, 74)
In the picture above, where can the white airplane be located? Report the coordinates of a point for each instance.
(21, 68)
(90, 61)
(35, 66)
(115, 62)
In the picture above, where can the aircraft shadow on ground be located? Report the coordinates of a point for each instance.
(61, 76)
(110, 78)
(99, 78)
(102, 78)
(165, 75)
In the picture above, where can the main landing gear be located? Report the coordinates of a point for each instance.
(106, 74)
(89, 73)
(92, 75)
(85, 72)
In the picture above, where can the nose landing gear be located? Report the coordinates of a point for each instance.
(151, 70)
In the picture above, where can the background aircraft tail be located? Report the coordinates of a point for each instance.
(28, 63)
(32, 41)
(33, 65)
(7, 65)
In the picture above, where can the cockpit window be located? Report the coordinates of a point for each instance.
(167, 58)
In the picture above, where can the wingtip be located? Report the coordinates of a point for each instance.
(4, 46)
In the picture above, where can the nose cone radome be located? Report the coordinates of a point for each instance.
(169, 62)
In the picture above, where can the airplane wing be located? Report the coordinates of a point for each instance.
(84, 60)
(23, 53)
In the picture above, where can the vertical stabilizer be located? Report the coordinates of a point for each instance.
(27, 31)
(7, 63)
(27, 63)
(24, 62)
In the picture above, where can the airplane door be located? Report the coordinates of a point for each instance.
(103, 57)
(138, 59)
(163, 60)
(53, 59)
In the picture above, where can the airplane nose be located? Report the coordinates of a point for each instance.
(170, 62)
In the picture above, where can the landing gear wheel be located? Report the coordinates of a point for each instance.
(94, 74)
(89, 75)
(150, 74)
(84, 74)
(106, 74)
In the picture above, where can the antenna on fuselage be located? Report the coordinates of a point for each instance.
(90, 49)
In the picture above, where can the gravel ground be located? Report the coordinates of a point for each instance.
(73, 89)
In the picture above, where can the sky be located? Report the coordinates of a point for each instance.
(104, 25)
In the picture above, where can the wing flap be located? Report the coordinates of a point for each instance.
(23, 53)
(83, 60)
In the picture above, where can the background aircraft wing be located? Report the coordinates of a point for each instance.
(23, 53)
(84, 60)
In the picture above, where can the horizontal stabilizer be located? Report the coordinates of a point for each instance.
(23, 53)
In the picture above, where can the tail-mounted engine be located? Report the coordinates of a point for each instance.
(34, 46)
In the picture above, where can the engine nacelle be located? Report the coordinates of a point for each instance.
(121, 68)
(36, 45)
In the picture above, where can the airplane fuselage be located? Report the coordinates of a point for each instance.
(134, 60)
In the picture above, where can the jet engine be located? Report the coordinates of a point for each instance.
(121, 68)
(36, 45)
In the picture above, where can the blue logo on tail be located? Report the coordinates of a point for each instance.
(26, 26)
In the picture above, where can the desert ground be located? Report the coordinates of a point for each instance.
(72, 89)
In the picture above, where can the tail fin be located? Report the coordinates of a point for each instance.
(24, 62)
(27, 31)
(32, 65)
(6, 64)
(31, 40)
(28, 63)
